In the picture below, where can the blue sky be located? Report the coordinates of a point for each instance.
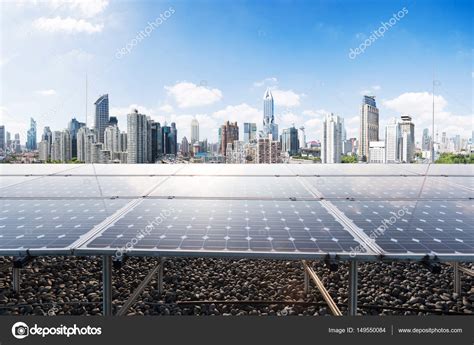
(214, 59)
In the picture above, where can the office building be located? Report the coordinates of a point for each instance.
(2, 138)
(250, 132)
(269, 125)
(392, 141)
(289, 141)
(101, 119)
(194, 131)
(31, 143)
(369, 126)
(65, 147)
(137, 141)
(73, 128)
(407, 128)
(377, 152)
(229, 134)
(331, 145)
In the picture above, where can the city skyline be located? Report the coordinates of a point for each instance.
(190, 82)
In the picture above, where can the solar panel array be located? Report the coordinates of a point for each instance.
(268, 211)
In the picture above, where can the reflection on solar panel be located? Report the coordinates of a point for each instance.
(45, 226)
(221, 226)
(267, 187)
(246, 210)
(367, 187)
(423, 227)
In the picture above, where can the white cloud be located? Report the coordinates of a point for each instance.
(270, 80)
(66, 25)
(191, 95)
(370, 91)
(49, 92)
(240, 113)
(166, 108)
(376, 87)
(86, 8)
(419, 106)
(286, 98)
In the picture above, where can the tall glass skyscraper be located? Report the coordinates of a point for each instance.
(250, 132)
(369, 126)
(31, 136)
(269, 125)
(101, 119)
(194, 131)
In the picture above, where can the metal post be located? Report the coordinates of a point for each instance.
(106, 285)
(159, 280)
(457, 278)
(353, 288)
(306, 282)
(16, 279)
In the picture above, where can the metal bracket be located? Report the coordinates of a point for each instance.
(331, 262)
(431, 264)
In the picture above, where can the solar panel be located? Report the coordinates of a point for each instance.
(349, 169)
(226, 227)
(236, 169)
(411, 227)
(6, 181)
(35, 169)
(268, 187)
(47, 226)
(379, 187)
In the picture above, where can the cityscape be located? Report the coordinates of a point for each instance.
(236, 172)
(148, 141)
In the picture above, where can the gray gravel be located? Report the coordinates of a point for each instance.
(72, 286)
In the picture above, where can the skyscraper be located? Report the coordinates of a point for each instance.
(65, 147)
(407, 128)
(112, 139)
(137, 130)
(194, 131)
(250, 132)
(289, 141)
(302, 137)
(229, 133)
(331, 145)
(269, 125)
(392, 141)
(155, 141)
(185, 147)
(369, 126)
(31, 136)
(101, 119)
(85, 139)
(425, 140)
(73, 127)
(2, 138)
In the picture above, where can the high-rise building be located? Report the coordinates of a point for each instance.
(268, 151)
(155, 140)
(85, 139)
(425, 140)
(250, 132)
(101, 116)
(112, 139)
(65, 146)
(194, 131)
(113, 121)
(377, 152)
(392, 141)
(31, 136)
(56, 146)
(8, 140)
(289, 141)
(137, 143)
(169, 139)
(2, 138)
(302, 137)
(43, 151)
(369, 126)
(407, 128)
(229, 134)
(73, 127)
(185, 146)
(331, 145)
(269, 125)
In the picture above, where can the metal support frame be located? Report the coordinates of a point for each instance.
(159, 278)
(16, 279)
(306, 282)
(353, 272)
(456, 278)
(106, 285)
(319, 284)
(133, 297)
